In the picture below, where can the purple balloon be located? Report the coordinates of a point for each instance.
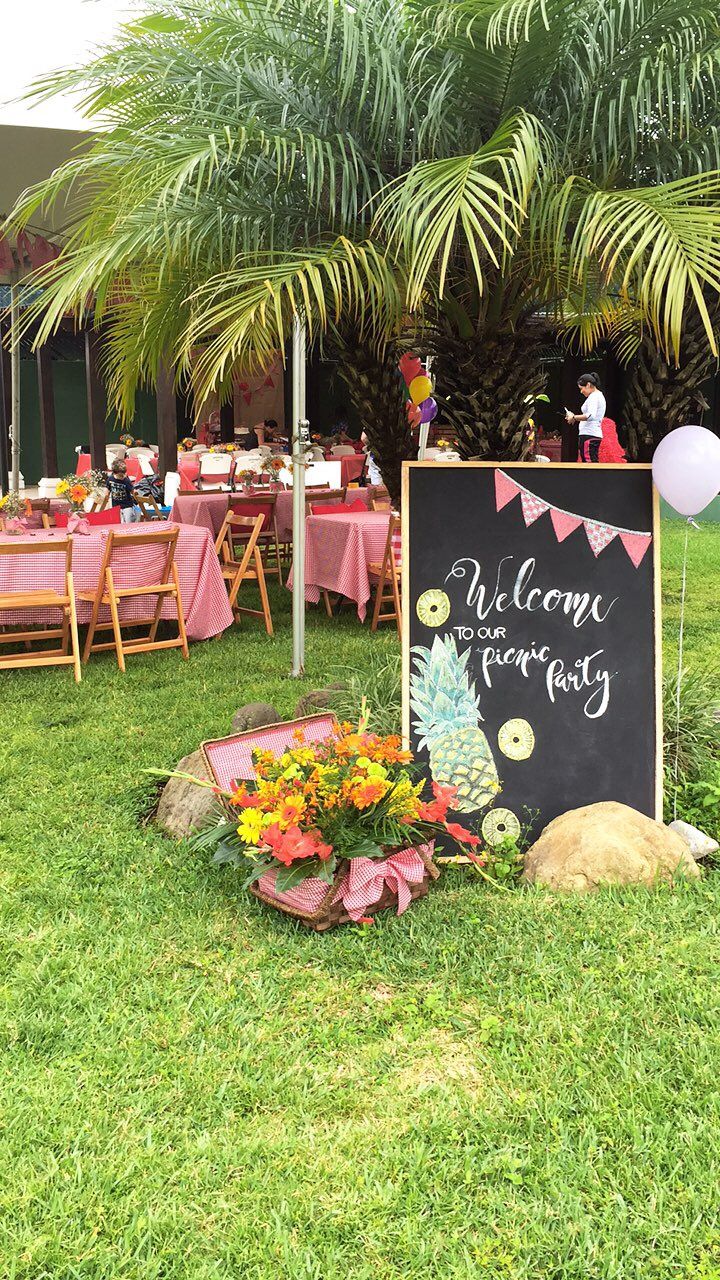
(428, 410)
(686, 469)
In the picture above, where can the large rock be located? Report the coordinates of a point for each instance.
(606, 843)
(184, 807)
(316, 701)
(254, 715)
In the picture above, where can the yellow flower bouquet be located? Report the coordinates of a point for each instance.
(330, 831)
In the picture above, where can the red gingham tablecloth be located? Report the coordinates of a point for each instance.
(207, 510)
(134, 469)
(204, 597)
(338, 550)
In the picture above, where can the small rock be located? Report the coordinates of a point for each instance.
(606, 843)
(699, 844)
(254, 715)
(316, 700)
(184, 807)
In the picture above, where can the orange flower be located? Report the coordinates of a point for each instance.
(366, 793)
(78, 493)
(292, 809)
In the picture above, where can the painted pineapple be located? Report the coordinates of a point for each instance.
(448, 721)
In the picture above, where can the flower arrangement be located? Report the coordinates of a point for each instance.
(272, 466)
(318, 805)
(222, 448)
(77, 489)
(15, 507)
(443, 444)
(186, 444)
(127, 440)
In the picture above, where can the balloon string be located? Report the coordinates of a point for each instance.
(680, 665)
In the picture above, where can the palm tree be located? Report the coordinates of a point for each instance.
(485, 170)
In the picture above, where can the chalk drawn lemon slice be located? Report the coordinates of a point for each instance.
(499, 825)
(433, 608)
(516, 739)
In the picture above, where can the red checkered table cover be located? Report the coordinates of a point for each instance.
(202, 589)
(208, 509)
(338, 553)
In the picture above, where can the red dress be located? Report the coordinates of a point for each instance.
(610, 448)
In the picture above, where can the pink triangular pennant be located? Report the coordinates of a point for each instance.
(532, 507)
(247, 396)
(505, 490)
(268, 382)
(636, 544)
(598, 535)
(563, 523)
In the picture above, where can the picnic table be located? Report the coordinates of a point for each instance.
(204, 597)
(338, 551)
(208, 510)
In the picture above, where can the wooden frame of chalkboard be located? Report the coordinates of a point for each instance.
(561, 723)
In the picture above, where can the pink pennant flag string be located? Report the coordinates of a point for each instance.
(564, 523)
(636, 544)
(598, 535)
(505, 489)
(532, 507)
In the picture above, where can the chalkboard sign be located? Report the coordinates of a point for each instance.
(531, 650)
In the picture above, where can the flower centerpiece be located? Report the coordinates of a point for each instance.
(443, 445)
(186, 444)
(127, 440)
(246, 474)
(272, 465)
(77, 489)
(15, 510)
(332, 831)
(222, 448)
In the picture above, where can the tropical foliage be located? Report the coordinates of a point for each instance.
(485, 169)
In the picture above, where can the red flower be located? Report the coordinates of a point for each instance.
(461, 834)
(292, 845)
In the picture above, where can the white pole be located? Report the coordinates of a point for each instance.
(299, 430)
(15, 385)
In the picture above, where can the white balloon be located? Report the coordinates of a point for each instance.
(686, 469)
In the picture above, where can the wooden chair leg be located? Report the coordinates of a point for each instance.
(117, 633)
(181, 620)
(74, 638)
(328, 604)
(378, 601)
(398, 604)
(92, 625)
(263, 592)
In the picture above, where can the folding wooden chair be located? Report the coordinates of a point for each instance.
(388, 575)
(334, 496)
(243, 531)
(58, 593)
(164, 582)
(149, 509)
(380, 503)
(263, 504)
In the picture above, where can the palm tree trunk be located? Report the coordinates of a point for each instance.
(378, 395)
(659, 396)
(490, 382)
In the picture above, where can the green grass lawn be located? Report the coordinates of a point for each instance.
(495, 1085)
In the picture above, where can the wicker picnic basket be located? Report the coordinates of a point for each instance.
(320, 906)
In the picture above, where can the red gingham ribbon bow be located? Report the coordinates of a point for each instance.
(363, 883)
(78, 524)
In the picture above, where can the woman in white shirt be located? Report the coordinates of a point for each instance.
(590, 420)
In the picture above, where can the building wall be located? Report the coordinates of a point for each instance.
(70, 416)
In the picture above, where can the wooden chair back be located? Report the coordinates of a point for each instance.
(329, 496)
(149, 509)
(388, 606)
(380, 504)
(243, 531)
(100, 501)
(56, 592)
(159, 579)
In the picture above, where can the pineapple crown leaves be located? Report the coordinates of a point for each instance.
(441, 694)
